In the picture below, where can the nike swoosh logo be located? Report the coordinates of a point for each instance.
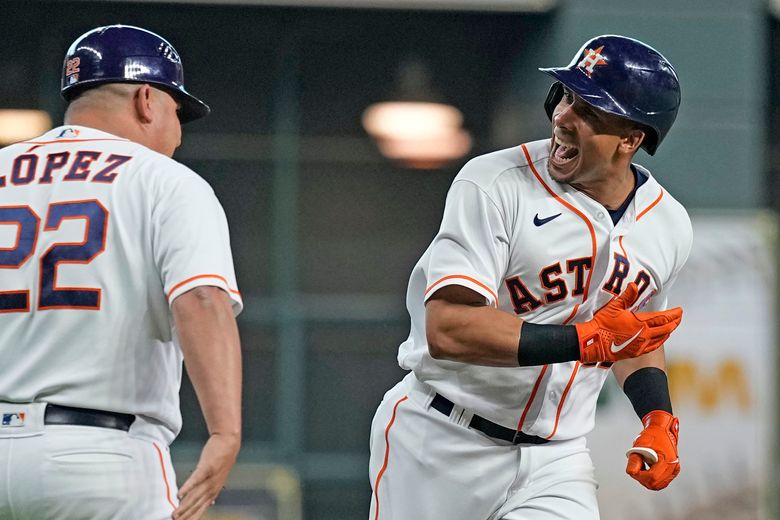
(617, 348)
(542, 221)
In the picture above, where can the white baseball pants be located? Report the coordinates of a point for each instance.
(60, 472)
(425, 466)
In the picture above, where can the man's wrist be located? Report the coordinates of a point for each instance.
(544, 344)
(648, 390)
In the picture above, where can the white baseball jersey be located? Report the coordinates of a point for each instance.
(551, 255)
(98, 236)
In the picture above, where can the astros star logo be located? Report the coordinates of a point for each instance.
(591, 59)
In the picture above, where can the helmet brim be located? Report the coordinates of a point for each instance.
(192, 108)
(576, 81)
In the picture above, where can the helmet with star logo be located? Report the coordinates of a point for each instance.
(624, 77)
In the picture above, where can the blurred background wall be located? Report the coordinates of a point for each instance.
(325, 229)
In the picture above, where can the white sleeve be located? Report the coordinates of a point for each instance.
(660, 300)
(657, 301)
(472, 246)
(190, 240)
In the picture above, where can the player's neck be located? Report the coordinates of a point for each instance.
(610, 190)
(115, 123)
(111, 123)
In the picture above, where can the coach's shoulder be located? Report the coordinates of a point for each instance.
(169, 173)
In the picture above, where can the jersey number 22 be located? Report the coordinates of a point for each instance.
(49, 295)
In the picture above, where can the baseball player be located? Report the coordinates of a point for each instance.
(116, 266)
(551, 268)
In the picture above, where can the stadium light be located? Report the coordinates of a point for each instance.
(417, 129)
(20, 124)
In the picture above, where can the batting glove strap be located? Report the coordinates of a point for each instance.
(653, 460)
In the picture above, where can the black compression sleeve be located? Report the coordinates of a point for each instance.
(648, 390)
(543, 344)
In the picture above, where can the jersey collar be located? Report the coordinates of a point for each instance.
(76, 132)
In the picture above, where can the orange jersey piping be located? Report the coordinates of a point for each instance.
(651, 206)
(463, 276)
(72, 140)
(531, 399)
(165, 476)
(573, 210)
(587, 283)
(188, 280)
(539, 378)
(563, 399)
(387, 455)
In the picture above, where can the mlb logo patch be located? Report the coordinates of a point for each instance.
(13, 420)
(69, 132)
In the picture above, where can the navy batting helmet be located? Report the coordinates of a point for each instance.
(624, 77)
(127, 54)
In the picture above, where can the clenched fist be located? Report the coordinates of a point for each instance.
(656, 446)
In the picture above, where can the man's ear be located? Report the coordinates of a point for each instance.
(142, 102)
(631, 142)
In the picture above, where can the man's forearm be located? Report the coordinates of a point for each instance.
(624, 368)
(479, 335)
(460, 327)
(644, 382)
(209, 339)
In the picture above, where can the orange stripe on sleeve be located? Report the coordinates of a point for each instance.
(651, 206)
(464, 277)
(573, 210)
(188, 280)
(165, 475)
(387, 455)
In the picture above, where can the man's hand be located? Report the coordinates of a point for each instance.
(655, 447)
(201, 489)
(616, 333)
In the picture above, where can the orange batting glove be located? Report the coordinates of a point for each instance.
(653, 460)
(616, 333)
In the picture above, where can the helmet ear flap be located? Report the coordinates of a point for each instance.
(554, 97)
